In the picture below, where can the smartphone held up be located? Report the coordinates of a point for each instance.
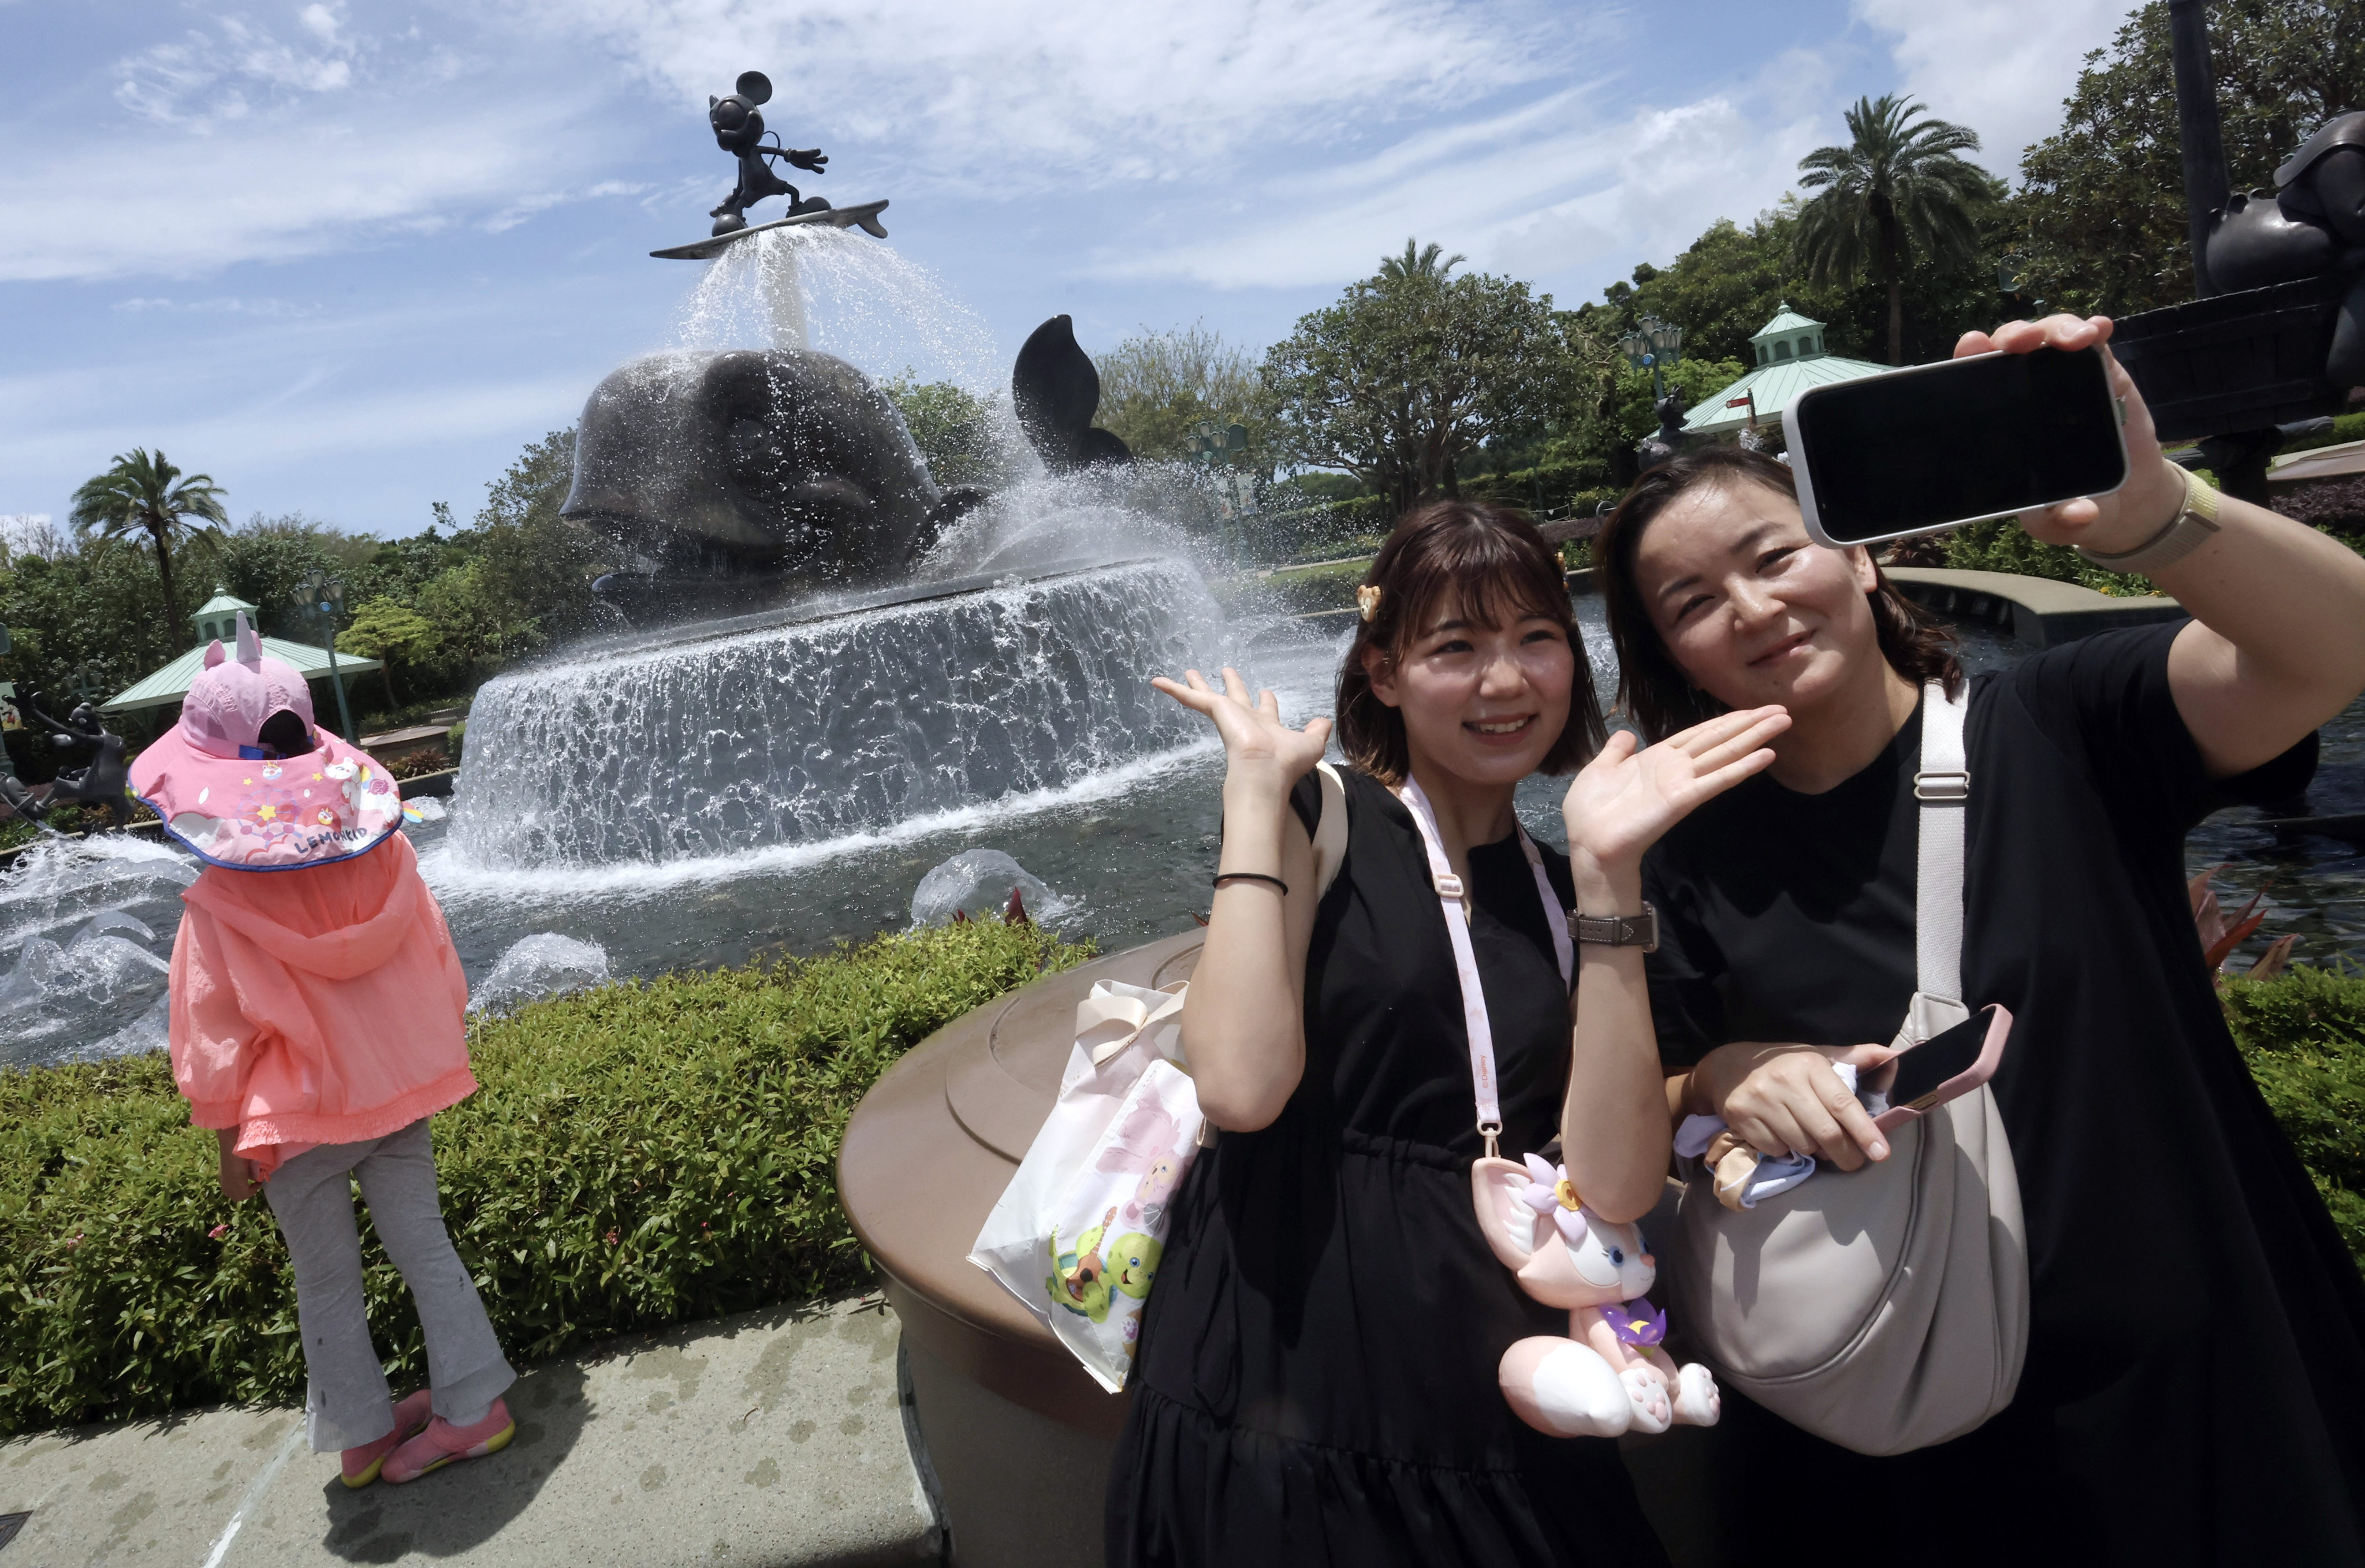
(1935, 446)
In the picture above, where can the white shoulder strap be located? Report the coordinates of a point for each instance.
(1451, 897)
(1943, 788)
(1330, 829)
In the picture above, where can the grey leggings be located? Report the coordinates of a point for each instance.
(348, 1404)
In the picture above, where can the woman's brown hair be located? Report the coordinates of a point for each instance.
(1652, 691)
(1501, 569)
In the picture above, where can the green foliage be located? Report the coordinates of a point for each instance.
(146, 498)
(953, 428)
(2001, 545)
(1407, 377)
(642, 1154)
(2103, 200)
(2303, 1037)
(1157, 387)
(1899, 189)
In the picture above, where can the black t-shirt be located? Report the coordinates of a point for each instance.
(2196, 1370)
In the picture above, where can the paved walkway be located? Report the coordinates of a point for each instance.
(773, 1439)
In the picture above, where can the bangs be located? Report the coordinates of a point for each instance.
(1488, 563)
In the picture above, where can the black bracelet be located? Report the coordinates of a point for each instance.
(1223, 877)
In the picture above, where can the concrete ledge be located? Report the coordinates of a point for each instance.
(772, 1440)
(2037, 611)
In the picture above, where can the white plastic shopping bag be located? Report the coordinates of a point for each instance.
(1079, 1229)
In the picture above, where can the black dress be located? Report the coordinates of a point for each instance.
(2196, 1383)
(1317, 1383)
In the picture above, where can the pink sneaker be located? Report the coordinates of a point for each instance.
(442, 1442)
(410, 1418)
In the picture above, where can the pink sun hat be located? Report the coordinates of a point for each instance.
(232, 803)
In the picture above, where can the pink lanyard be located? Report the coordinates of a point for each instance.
(1451, 898)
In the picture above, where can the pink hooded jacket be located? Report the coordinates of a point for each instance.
(319, 1005)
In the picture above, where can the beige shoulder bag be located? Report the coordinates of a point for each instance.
(1884, 1309)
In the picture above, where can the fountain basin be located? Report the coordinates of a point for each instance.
(807, 724)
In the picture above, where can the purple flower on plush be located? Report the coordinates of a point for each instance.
(1636, 1321)
(1550, 1191)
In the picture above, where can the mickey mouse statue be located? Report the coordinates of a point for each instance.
(739, 130)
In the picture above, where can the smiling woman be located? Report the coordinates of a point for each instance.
(2165, 1413)
(1332, 1367)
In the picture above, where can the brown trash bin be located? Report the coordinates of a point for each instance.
(1019, 1435)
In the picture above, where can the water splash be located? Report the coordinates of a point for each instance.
(709, 745)
(536, 968)
(814, 286)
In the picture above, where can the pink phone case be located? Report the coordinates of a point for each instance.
(1962, 1083)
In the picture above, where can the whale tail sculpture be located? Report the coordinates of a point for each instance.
(1057, 391)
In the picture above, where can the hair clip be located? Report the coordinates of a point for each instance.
(1367, 596)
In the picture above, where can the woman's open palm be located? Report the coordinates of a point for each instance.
(1631, 794)
(1255, 740)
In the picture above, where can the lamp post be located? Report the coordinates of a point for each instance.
(1653, 345)
(326, 595)
(1221, 450)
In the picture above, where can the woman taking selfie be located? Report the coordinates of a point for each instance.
(1317, 1375)
(2195, 1370)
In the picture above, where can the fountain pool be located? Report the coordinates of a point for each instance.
(1125, 843)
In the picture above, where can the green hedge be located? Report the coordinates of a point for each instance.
(641, 1155)
(644, 1155)
(2303, 1035)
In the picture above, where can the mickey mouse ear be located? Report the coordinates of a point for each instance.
(754, 86)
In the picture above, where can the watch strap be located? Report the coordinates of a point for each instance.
(2188, 530)
(1619, 930)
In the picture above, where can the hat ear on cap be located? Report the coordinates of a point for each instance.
(250, 646)
(214, 653)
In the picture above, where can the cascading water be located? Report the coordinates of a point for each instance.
(718, 744)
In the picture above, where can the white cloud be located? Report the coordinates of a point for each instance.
(1542, 189)
(2002, 69)
(143, 305)
(1029, 97)
(203, 79)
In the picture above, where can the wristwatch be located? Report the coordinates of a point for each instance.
(2188, 530)
(1618, 930)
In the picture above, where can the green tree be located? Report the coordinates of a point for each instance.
(1408, 375)
(532, 569)
(146, 498)
(1419, 261)
(1157, 386)
(391, 634)
(953, 428)
(1899, 187)
(2102, 201)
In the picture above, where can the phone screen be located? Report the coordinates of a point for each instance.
(1942, 1058)
(1888, 455)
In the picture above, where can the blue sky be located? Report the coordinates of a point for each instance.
(349, 257)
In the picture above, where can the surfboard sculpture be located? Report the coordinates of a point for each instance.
(863, 216)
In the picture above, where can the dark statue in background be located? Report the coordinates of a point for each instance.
(2275, 342)
(1669, 438)
(100, 781)
(739, 130)
(1056, 391)
(757, 472)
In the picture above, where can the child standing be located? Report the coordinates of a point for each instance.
(317, 1023)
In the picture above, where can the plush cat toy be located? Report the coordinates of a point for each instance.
(1609, 1375)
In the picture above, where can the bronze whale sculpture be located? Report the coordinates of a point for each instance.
(744, 474)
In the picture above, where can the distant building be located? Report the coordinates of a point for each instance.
(217, 618)
(1790, 358)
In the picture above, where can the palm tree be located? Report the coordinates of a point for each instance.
(1898, 185)
(137, 495)
(1419, 260)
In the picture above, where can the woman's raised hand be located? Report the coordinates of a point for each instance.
(1631, 794)
(1257, 744)
(2125, 519)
